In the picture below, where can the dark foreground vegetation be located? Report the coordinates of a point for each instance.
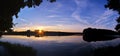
(17, 49)
(108, 51)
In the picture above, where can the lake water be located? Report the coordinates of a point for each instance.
(59, 45)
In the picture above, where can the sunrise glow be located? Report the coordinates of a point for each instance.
(72, 16)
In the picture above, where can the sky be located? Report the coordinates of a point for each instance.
(67, 16)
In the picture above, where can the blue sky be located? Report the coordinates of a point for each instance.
(67, 15)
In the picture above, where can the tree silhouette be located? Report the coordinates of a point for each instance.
(114, 5)
(118, 25)
(9, 8)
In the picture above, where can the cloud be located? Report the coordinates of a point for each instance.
(81, 3)
(52, 16)
(107, 19)
(78, 18)
(76, 14)
(24, 20)
(94, 19)
(55, 8)
(23, 23)
(105, 16)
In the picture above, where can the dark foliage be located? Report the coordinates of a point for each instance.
(118, 20)
(9, 8)
(113, 4)
(90, 34)
(117, 27)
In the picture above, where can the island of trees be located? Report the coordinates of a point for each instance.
(92, 34)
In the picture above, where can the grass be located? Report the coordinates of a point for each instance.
(18, 50)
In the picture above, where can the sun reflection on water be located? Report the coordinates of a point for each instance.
(71, 39)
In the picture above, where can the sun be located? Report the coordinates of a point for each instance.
(40, 30)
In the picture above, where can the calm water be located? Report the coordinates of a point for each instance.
(59, 45)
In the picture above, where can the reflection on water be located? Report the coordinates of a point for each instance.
(48, 45)
(50, 39)
(59, 45)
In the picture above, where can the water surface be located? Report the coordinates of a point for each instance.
(59, 45)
